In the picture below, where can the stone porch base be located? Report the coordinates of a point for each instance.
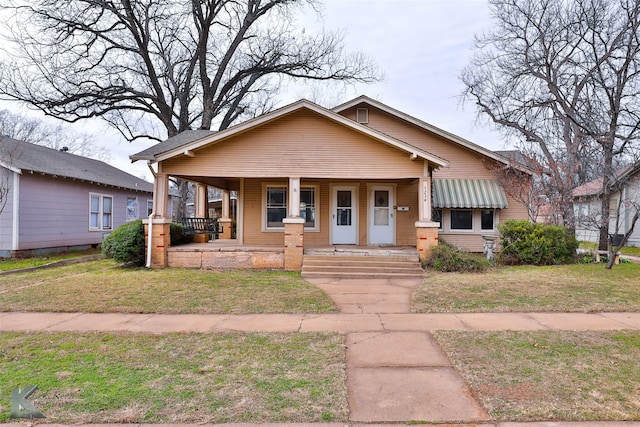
(213, 255)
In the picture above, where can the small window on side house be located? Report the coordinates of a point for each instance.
(100, 212)
(132, 208)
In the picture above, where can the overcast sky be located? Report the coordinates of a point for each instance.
(420, 46)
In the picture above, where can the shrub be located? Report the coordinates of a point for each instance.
(525, 242)
(126, 243)
(448, 258)
(177, 238)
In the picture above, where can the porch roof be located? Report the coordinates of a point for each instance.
(188, 141)
(468, 193)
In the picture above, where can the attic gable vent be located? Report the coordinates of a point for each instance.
(362, 115)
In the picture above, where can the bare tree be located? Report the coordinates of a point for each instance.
(58, 137)
(154, 68)
(184, 64)
(561, 78)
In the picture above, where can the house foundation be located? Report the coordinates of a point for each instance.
(426, 238)
(160, 241)
(293, 243)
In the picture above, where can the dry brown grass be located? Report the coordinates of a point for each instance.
(565, 288)
(102, 286)
(550, 375)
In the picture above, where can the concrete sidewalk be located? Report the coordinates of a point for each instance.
(340, 322)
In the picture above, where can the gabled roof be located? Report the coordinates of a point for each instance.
(21, 157)
(433, 129)
(594, 188)
(187, 141)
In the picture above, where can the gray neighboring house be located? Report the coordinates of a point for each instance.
(53, 200)
(586, 205)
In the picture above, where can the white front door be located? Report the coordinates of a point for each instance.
(381, 215)
(344, 228)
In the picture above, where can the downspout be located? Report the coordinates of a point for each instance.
(150, 228)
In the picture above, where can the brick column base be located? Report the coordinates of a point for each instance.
(293, 243)
(227, 228)
(426, 238)
(160, 241)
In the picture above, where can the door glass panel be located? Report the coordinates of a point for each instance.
(344, 199)
(381, 207)
(343, 217)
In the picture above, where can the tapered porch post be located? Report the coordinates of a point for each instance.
(426, 230)
(157, 228)
(226, 222)
(201, 209)
(293, 229)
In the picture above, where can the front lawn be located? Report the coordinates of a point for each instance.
(177, 378)
(564, 288)
(102, 286)
(550, 375)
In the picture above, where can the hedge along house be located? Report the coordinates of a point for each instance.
(361, 174)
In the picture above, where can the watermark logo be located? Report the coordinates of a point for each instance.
(21, 407)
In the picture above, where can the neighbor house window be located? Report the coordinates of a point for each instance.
(100, 212)
(276, 197)
(149, 207)
(462, 219)
(132, 208)
(436, 216)
(486, 219)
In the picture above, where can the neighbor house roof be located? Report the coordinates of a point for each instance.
(435, 130)
(23, 157)
(594, 188)
(187, 141)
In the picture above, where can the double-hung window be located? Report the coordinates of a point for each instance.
(276, 198)
(100, 212)
(461, 219)
(487, 219)
(132, 208)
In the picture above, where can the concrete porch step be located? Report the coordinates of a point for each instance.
(358, 266)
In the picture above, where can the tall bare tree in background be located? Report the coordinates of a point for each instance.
(154, 68)
(562, 79)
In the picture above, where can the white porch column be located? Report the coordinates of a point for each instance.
(424, 202)
(202, 202)
(294, 198)
(161, 195)
(226, 222)
(226, 203)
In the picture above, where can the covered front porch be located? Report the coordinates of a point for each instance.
(279, 219)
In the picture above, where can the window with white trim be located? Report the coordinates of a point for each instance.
(100, 212)
(487, 219)
(132, 209)
(276, 198)
(461, 219)
(149, 207)
(436, 216)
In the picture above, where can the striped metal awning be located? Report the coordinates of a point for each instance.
(468, 193)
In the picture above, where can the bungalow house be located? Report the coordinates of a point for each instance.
(360, 174)
(625, 201)
(53, 200)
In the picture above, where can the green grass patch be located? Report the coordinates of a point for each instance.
(15, 264)
(177, 378)
(564, 288)
(103, 286)
(550, 375)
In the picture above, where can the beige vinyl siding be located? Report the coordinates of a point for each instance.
(463, 163)
(302, 144)
(406, 195)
